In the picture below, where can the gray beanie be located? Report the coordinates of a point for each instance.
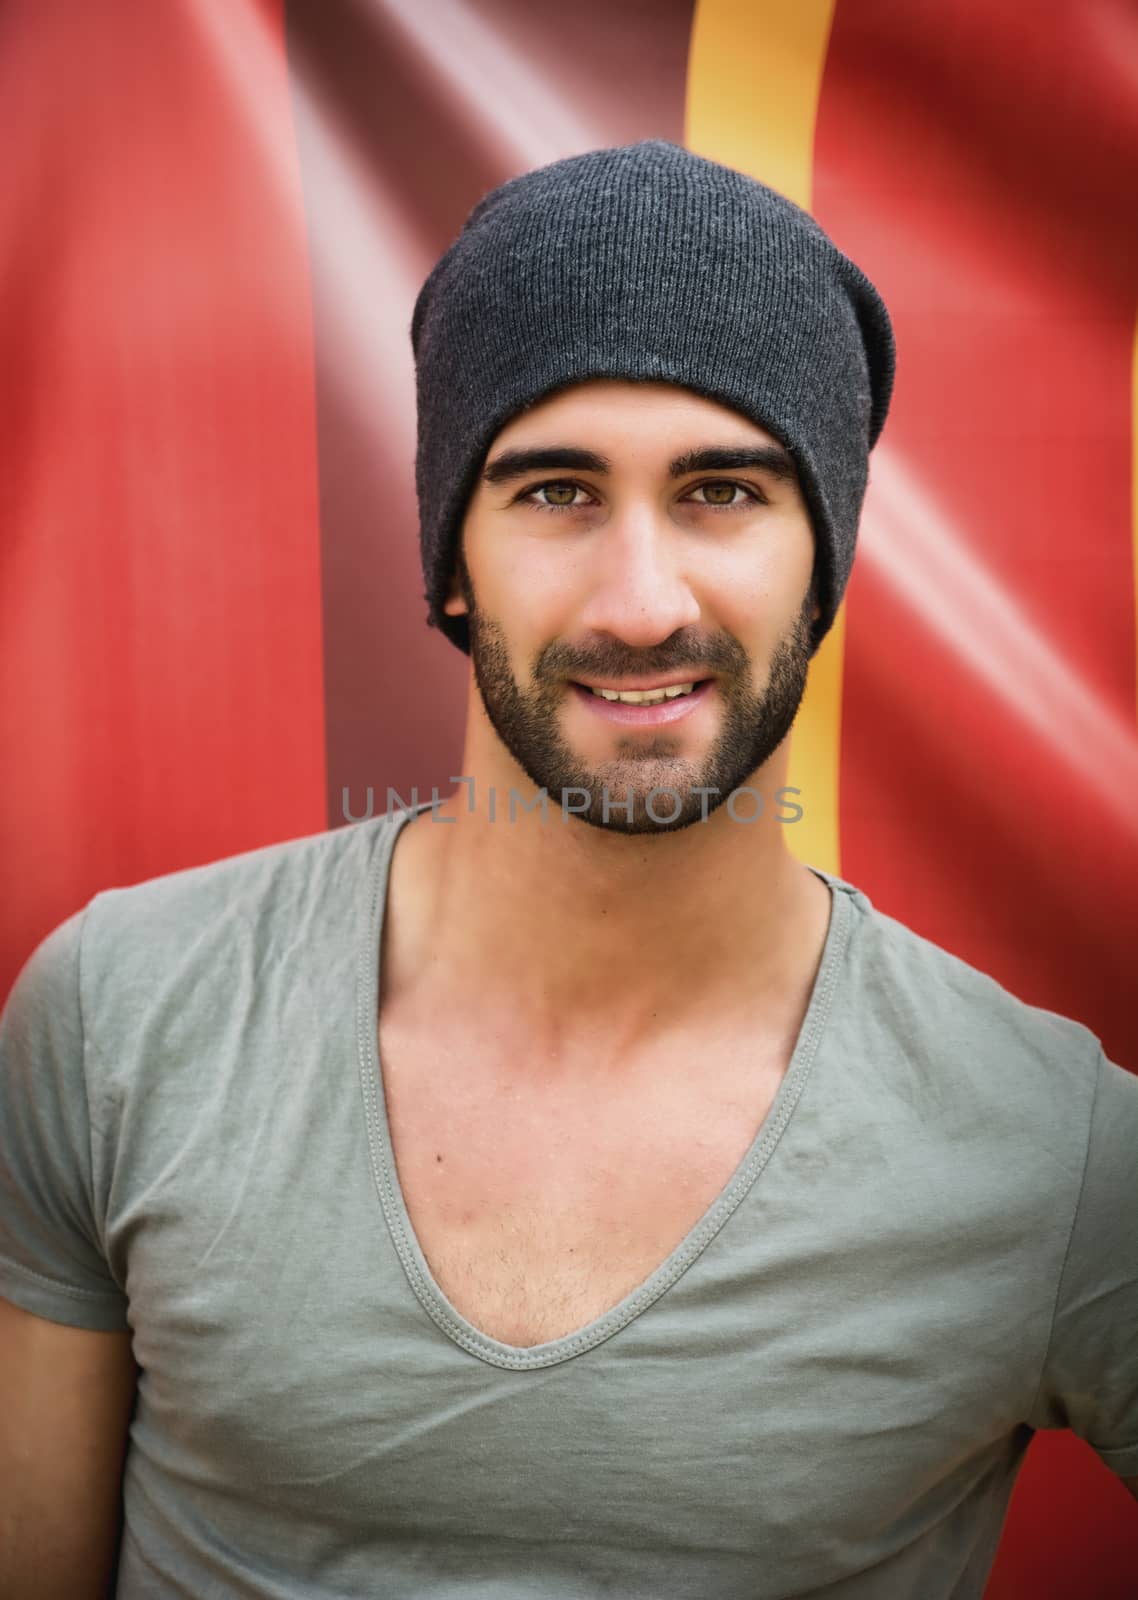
(648, 262)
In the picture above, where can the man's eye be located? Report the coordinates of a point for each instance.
(562, 495)
(721, 494)
(559, 494)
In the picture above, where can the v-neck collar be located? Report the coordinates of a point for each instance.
(494, 1351)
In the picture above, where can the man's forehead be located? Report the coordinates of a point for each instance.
(592, 404)
(628, 394)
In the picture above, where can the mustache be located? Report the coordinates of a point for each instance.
(707, 659)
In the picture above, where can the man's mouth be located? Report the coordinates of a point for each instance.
(635, 694)
(659, 703)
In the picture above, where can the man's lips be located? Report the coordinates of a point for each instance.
(653, 716)
(642, 685)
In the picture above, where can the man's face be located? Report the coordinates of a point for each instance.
(616, 558)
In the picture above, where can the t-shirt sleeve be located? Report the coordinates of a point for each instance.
(51, 1263)
(1090, 1376)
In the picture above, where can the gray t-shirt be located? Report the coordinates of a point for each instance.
(929, 1250)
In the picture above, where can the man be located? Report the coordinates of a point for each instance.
(560, 1190)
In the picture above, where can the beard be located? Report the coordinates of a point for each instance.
(752, 725)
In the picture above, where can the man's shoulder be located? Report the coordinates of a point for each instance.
(248, 872)
(215, 906)
(936, 1009)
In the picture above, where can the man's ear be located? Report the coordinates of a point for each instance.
(812, 595)
(455, 603)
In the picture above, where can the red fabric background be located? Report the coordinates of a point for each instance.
(213, 224)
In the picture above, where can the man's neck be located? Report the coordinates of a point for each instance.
(577, 934)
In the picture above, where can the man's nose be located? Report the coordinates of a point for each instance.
(638, 589)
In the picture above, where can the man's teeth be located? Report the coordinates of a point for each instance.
(646, 697)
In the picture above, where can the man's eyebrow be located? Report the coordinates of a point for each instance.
(512, 464)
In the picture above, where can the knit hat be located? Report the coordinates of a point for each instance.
(648, 262)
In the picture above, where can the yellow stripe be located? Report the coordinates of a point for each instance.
(754, 77)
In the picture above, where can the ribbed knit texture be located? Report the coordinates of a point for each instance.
(648, 262)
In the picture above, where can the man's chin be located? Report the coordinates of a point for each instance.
(665, 806)
(641, 826)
